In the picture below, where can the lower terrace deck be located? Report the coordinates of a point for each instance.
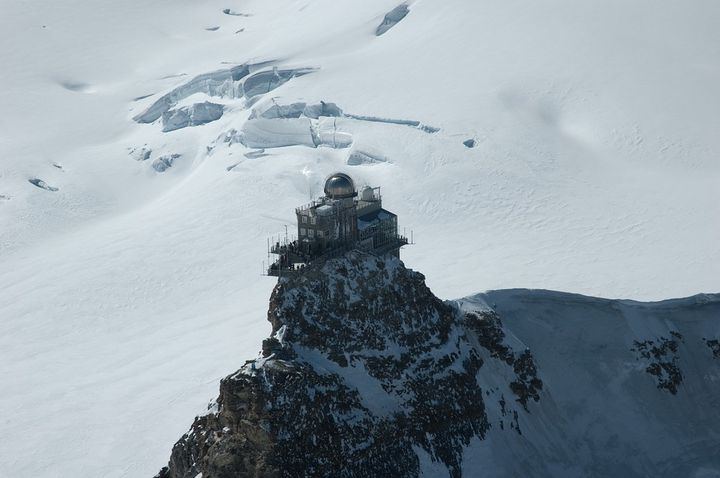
(293, 260)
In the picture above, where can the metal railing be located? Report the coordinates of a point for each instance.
(285, 267)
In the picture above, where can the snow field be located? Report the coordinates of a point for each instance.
(128, 292)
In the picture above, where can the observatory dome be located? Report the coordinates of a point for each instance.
(339, 186)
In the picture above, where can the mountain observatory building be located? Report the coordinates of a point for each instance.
(341, 220)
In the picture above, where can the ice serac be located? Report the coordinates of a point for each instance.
(266, 81)
(224, 83)
(194, 115)
(280, 132)
(392, 18)
(367, 373)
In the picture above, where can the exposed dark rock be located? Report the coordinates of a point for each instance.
(490, 335)
(270, 346)
(661, 360)
(469, 143)
(714, 345)
(527, 385)
(363, 365)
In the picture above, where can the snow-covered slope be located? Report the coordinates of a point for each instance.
(593, 170)
(629, 388)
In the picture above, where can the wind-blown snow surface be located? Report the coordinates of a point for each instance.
(127, 292)
(600, 413)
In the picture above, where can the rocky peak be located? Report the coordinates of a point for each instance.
(366, 373)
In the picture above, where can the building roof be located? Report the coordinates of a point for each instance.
(374, 217)
(324, 209)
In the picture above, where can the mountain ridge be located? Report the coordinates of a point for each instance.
(367, 373)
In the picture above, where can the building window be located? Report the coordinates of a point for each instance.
(313, 220)
(302, 231)
(304, 219)
(319, 234)
(311, 233)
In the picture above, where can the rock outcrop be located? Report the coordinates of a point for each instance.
(365, 373)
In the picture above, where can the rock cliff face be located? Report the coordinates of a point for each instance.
(367, 373)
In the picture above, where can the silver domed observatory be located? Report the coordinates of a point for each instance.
(340, 186)
(339, 221)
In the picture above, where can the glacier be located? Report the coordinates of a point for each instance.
(594, 170)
